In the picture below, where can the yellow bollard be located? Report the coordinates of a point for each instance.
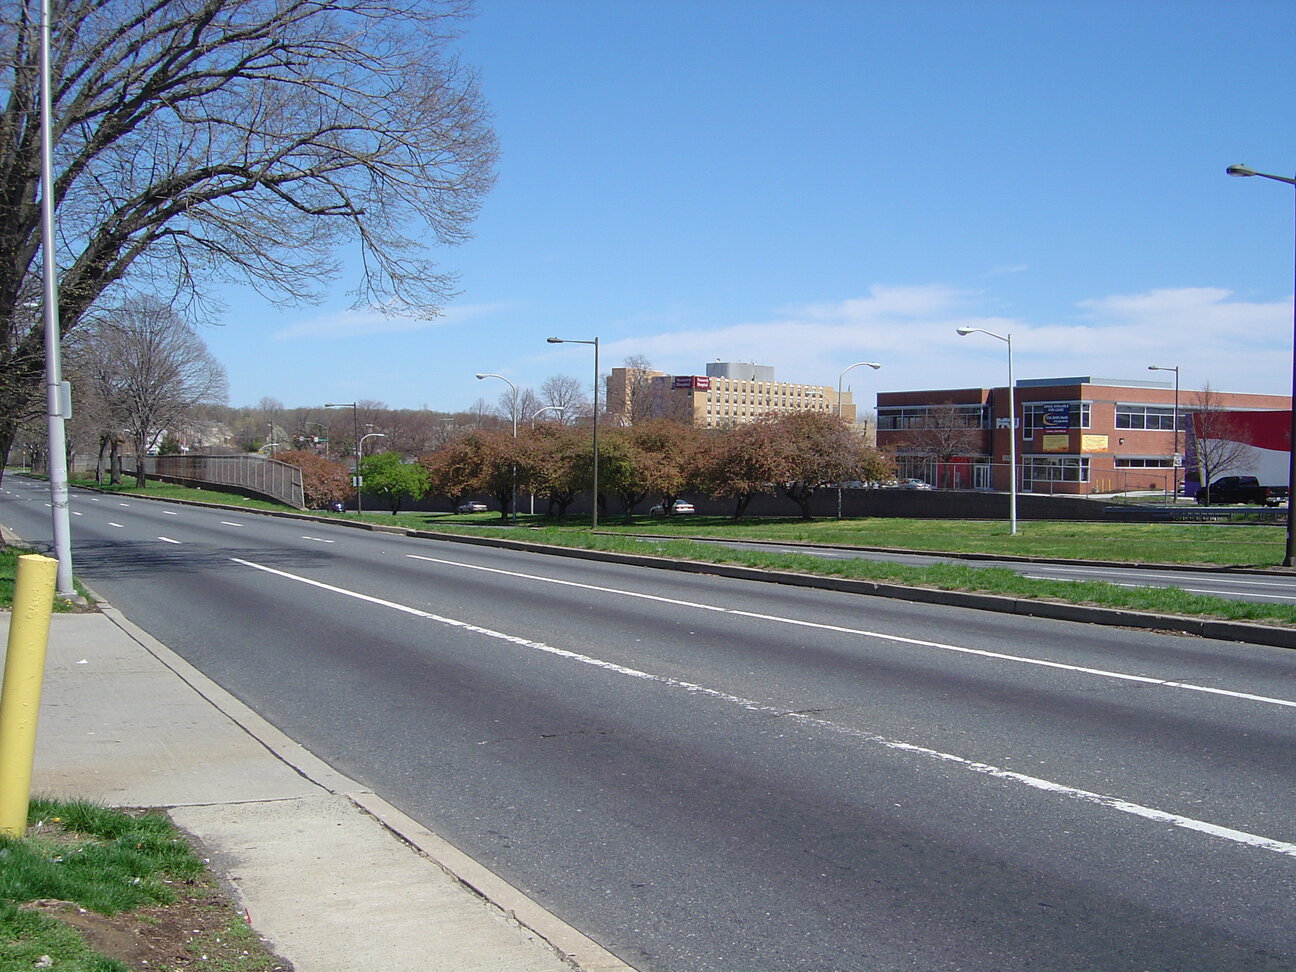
(33, 600)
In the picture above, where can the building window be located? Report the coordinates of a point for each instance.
(1142, 462)
(899, 418)
(1144, 416)
(1055, 469)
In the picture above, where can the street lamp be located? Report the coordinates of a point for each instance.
(355, 417)
(595, 342)
(858, 364)
(548, 408)
(58, 394)
(1175, 459)
(513, 404)
(1289, 557)
(369, 435)
(1012, 425)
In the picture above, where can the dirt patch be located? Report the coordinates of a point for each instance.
(199, 930)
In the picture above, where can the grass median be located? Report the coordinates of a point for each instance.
(1223, 545)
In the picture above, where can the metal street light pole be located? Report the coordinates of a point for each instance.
(58, 397)
(513, 404)
(1175, 460)
(1012, 426)
(1289, 557)
(355, 417)
(595, 342)
(858, 364)
(548, 408)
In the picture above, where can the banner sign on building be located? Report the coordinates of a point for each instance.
(695, 382)
(1056, 417)
(1093, 443)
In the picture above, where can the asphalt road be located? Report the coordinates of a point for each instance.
(707, 774)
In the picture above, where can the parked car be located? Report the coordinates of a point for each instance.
(913, 484)
(473, 506)
(678, 508)
(1241, 489)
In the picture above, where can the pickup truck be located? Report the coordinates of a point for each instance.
(1241, 489)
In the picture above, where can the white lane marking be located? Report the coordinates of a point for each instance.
(93, 499)
(117, 525)
(123, 504)
(961, 649)
(75, 513)
(170, 513)
(231, 523)
(987, 769)
(318, 539)
(168, 540)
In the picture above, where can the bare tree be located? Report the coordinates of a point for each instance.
(1214, 438)
(566, 393)
(947, 433)
(246, 140)
(148, 368)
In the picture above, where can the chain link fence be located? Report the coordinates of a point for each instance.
(254, 474)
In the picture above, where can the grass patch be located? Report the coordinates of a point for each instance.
(101, 890)
(9, 555)
(154, 489)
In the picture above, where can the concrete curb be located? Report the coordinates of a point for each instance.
(575, 948)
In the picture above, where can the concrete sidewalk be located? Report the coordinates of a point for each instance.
(336, 879)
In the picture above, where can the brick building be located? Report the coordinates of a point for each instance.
(1074, 435)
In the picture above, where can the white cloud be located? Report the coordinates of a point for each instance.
(1235, 345)
(366, 322)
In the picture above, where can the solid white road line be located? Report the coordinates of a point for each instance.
(168, 540)
(692, 688)
(863, 632)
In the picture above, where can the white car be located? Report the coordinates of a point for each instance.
(913, 484)
(678, 508)
(473, 506)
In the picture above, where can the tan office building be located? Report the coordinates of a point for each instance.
(730, 393)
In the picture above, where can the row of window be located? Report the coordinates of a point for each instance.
(1128, 416)
(904, 417)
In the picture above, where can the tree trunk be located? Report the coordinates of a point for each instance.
(140, 479)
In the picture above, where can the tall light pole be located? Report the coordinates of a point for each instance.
(1175, 459)
(1012, 426)
(858, 364)
(355, 417)
(1289, 557)
(595, 342)
(548, 408)
(58, 397)
(513, 404)
(369, 435)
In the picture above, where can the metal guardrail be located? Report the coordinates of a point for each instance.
(268, 477)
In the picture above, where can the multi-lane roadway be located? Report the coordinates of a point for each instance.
(712, 774)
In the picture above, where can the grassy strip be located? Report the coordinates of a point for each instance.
(8, 573)
(109, 863)
(949, 577)
(1183, 543)
(169, 491)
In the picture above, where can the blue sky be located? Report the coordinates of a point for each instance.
(808, 184)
